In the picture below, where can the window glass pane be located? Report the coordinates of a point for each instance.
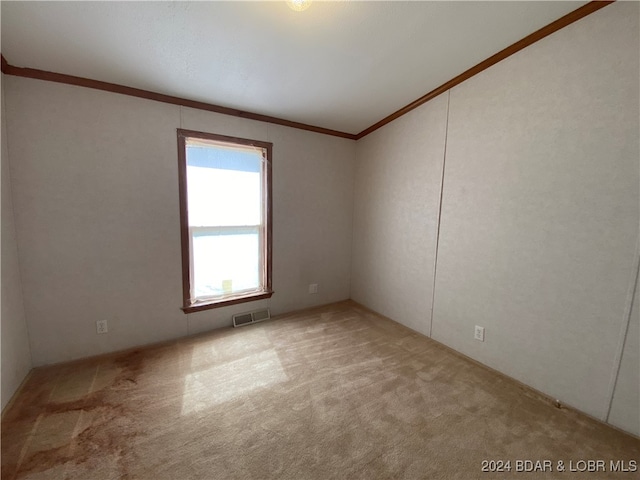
(225, 263)
(223, 186)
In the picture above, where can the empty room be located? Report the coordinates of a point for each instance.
(320, 240)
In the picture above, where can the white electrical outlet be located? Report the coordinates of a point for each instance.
(479, 333)
(101, 326)
(313, 288)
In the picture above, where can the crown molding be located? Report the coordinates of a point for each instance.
(562, 22)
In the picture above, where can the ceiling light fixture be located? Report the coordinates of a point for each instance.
(298, 5)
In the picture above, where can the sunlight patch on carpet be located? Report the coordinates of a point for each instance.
(231, 380)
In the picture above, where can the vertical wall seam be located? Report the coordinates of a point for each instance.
(15, 231)
(435, 257)
(353, 217)
(617, 362)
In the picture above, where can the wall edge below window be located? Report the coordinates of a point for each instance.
(225, 303)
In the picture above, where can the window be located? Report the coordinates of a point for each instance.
(225, 217)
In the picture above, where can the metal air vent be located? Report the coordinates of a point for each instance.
(247, 318)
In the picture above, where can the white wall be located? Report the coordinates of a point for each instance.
(95, 183)
(15, 352)
(397, 192)
(539, 216)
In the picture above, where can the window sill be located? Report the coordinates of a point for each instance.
(226, 302)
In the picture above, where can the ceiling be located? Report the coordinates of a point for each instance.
(338, 65)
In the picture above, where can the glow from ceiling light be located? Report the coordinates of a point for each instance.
(298, 5)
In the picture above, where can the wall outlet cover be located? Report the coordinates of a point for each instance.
(101, 326)
(479, 333)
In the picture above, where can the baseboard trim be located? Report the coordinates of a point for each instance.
(13, 398)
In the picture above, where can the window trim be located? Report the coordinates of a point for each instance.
(187, 305)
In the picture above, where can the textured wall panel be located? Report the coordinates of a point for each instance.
(96, 198)
(397, 192)
(540, 209)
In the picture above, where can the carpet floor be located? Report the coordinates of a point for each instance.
(335, 392)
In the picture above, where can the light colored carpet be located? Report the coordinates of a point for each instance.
(332, 393)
